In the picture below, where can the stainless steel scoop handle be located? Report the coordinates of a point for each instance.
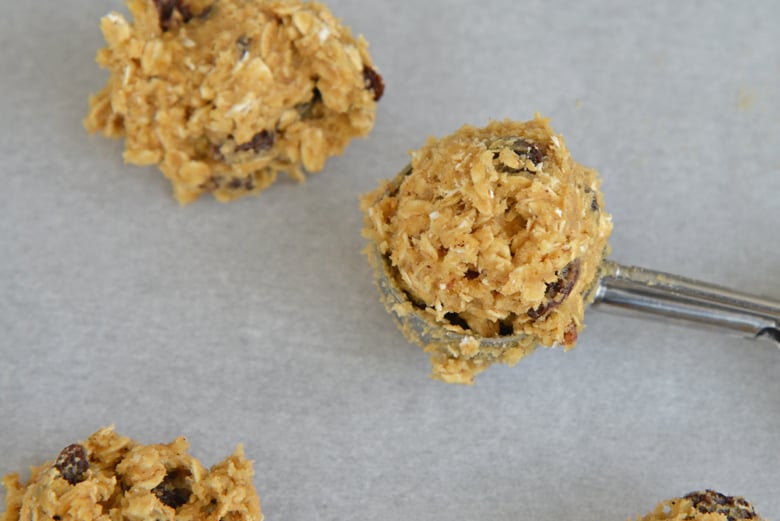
(645, 293)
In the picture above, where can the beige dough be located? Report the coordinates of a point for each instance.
(496, 231)
(707, 505)
(223, 95)
(113, 478)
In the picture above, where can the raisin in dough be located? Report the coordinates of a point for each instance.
(223, 95)
(703, 506)
(495, 231)
(111, 477)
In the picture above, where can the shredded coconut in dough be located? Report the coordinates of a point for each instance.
(113, 478)
(493, 232)
(224, 94)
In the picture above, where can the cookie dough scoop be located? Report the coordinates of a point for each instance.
(706, 505)
(493, 241)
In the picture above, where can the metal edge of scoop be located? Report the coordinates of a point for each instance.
(417, 327)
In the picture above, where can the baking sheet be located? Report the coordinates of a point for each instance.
(257, 322)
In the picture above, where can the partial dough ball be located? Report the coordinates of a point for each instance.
(224, 95)
(707, 505)
(493, 232)
(110, 477)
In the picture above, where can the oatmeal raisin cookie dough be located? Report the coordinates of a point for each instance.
(111, 477)
(706, 505)
(223, 95)
(492, 232)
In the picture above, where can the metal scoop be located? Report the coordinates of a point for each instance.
(628, 290)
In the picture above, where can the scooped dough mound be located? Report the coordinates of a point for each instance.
(223, 95)
(707, 505)
(493, 232)
(111, 477)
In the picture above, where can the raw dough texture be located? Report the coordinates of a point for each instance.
(493, 232)
(113, 478)
(703, 506)
(224, 94)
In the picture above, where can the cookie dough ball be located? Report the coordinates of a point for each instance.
(703, 506)
(110, 477)
(224, 95)
(493, 232)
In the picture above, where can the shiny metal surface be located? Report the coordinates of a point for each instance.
(651, 294)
